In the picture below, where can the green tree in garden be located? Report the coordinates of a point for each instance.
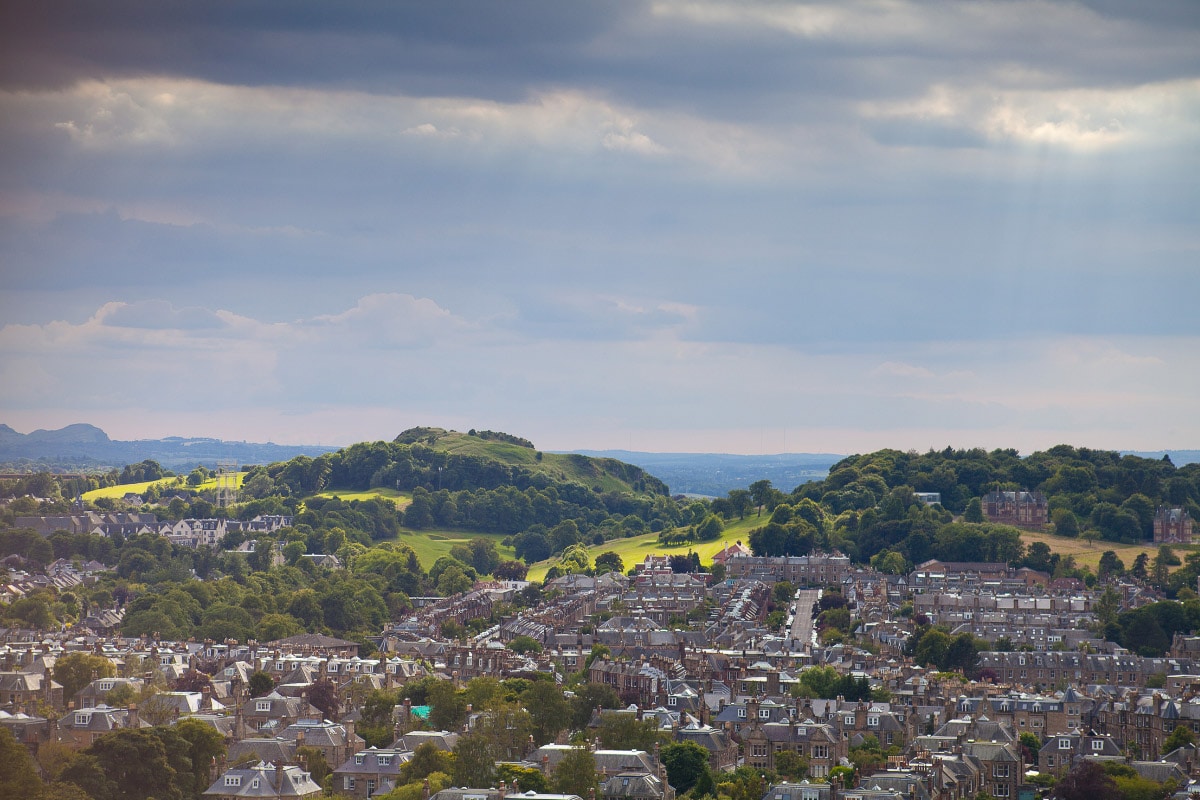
(974, 510)
(261, 683)
(18, 778)
(685, 763)
(576, 773)
(474, 762)
(1180, 737)
(77, 670)
(549, 712)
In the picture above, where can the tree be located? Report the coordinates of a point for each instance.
(505, 728)
(426, 760)
(1178, 738)
(549, 712)
(1065, 523)
(761, 493)
(204, 744)
(624, 731)
(1110, 565)
(523, 779)
(261, 683)
(576, 773)
(1087, 780)
(510, 571)
(685, 763)
(588, 698)
(474, 762)
(448, 708)
(314, 760)
(524, 644)
(322, 694)
(609, 562)
(77, 670)
(136, 763)
(974, 510)
(18, 778)
(1030, 744)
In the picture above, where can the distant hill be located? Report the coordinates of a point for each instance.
(1178, 457)
(714, 474)
(86, 448)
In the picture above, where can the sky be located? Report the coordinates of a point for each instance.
(716, 226)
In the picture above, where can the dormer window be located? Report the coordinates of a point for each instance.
(764, 713)
(872, 722)
(233, 780)
(1064, 744)
(358, 759)
(741, 713)
(1097, 744)
(83, 719)
(262, 705)
(672, 701)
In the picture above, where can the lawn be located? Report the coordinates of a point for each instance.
(636, 548)
(1088, 553)
(401, 499)
(430, 545)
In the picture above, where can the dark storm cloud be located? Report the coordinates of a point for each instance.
(752, 64)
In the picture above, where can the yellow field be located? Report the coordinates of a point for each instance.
(120, 490)
(1088, 553)
(635, 549)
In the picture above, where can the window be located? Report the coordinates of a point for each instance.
(348, 783)
(262, 705)
(741, 713)
(672, 701)
(1000, 790)
(1097, 744)
(370, 786)
(83, 719)
(233, 780)
(764, 713)
(1064, 744)
(358, 759)
(872, 722)
(820, 751)
(1000, 770)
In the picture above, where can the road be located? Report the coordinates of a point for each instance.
(802, 622)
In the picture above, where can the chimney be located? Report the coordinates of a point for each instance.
(278, 776)
(425, 790)
(503, 789)
(133, 720)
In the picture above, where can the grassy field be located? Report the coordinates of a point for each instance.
(401, 499)
(635, 549)
(431, 545)
(1088, 553)
(120, 490)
